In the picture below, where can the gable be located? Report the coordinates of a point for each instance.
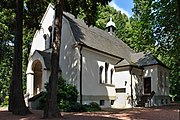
(147, 60)
(38, 42)
(93, 38)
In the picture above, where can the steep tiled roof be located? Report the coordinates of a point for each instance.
(47, 58)
(148, 59)
(98, 39)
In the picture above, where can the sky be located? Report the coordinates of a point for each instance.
(124, 6)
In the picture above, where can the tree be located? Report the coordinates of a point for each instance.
(51, 109)
(122, 22)
(167, 30)
(89, 8)
(141, 22)
(7, 26)
(16, 100)
(158, 22)
(6, 47)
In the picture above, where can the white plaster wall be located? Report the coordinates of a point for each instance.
(90, 81)
(152, 71)
(45, 78)
(161, 94)
(30, 84)
(165, 80)
(120, 78)
(69, 56)
(38, 42)
(30, 73)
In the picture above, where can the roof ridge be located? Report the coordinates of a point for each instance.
(94, 27)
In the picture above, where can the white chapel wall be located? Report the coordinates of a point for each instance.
(69, 55)
(38, 42)
(152, 71)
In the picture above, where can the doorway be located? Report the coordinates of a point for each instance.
(37, 68)
(147, 85)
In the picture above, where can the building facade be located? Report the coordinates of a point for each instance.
(102, 67)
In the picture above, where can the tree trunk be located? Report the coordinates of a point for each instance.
(178, 9)
(51, 108)
(16, 100)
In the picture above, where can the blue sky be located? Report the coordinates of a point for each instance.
(124, 6)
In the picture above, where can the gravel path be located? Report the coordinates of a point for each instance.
(170, 112)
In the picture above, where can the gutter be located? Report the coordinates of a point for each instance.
(84, 45)
(131, 87)
(80, 91)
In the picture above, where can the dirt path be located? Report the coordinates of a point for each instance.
(170, 112)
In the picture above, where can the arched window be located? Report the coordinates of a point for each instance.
(161, 79)
(100, 74)
(37, 68)
(112, 70)
(106, 72)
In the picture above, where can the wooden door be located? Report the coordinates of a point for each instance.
(147, 85)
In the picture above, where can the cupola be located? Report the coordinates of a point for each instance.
(110, 27)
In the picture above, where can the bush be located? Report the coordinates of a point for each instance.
(42, 101)
(93, 106)
(76, 107)
(5, 102)
(67, 95)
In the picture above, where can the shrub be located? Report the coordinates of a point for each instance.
(5, 102)
(93, 106)
(67, 95)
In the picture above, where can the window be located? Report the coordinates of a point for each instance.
(101, 102)
(147, 85)
(100, 74)
(106, 72)
(162, 101)
(161, 79)
(120, 90)
(165, 80)
(166, 101)
(112, 75)
(108, 29)
(112, 102)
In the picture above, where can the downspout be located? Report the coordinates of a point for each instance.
(80, 84)
(131, 87)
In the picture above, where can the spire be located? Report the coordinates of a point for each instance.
(110, 23)
(110, 26)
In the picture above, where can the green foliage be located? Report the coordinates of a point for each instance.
(104, 14)
(122, 22)
(167, 33)
(156, 28)
(66, 95)
(93, 106)
(89, 8)
(141, 34)
(5, 101)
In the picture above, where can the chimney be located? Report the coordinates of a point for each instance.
(110, 27)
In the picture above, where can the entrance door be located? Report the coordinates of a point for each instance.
(147, 85)
(37, 68)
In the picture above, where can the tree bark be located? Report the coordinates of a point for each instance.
(51, 108)
(178, 9)
(16, 100)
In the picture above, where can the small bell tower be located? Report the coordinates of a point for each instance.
(110, 27)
